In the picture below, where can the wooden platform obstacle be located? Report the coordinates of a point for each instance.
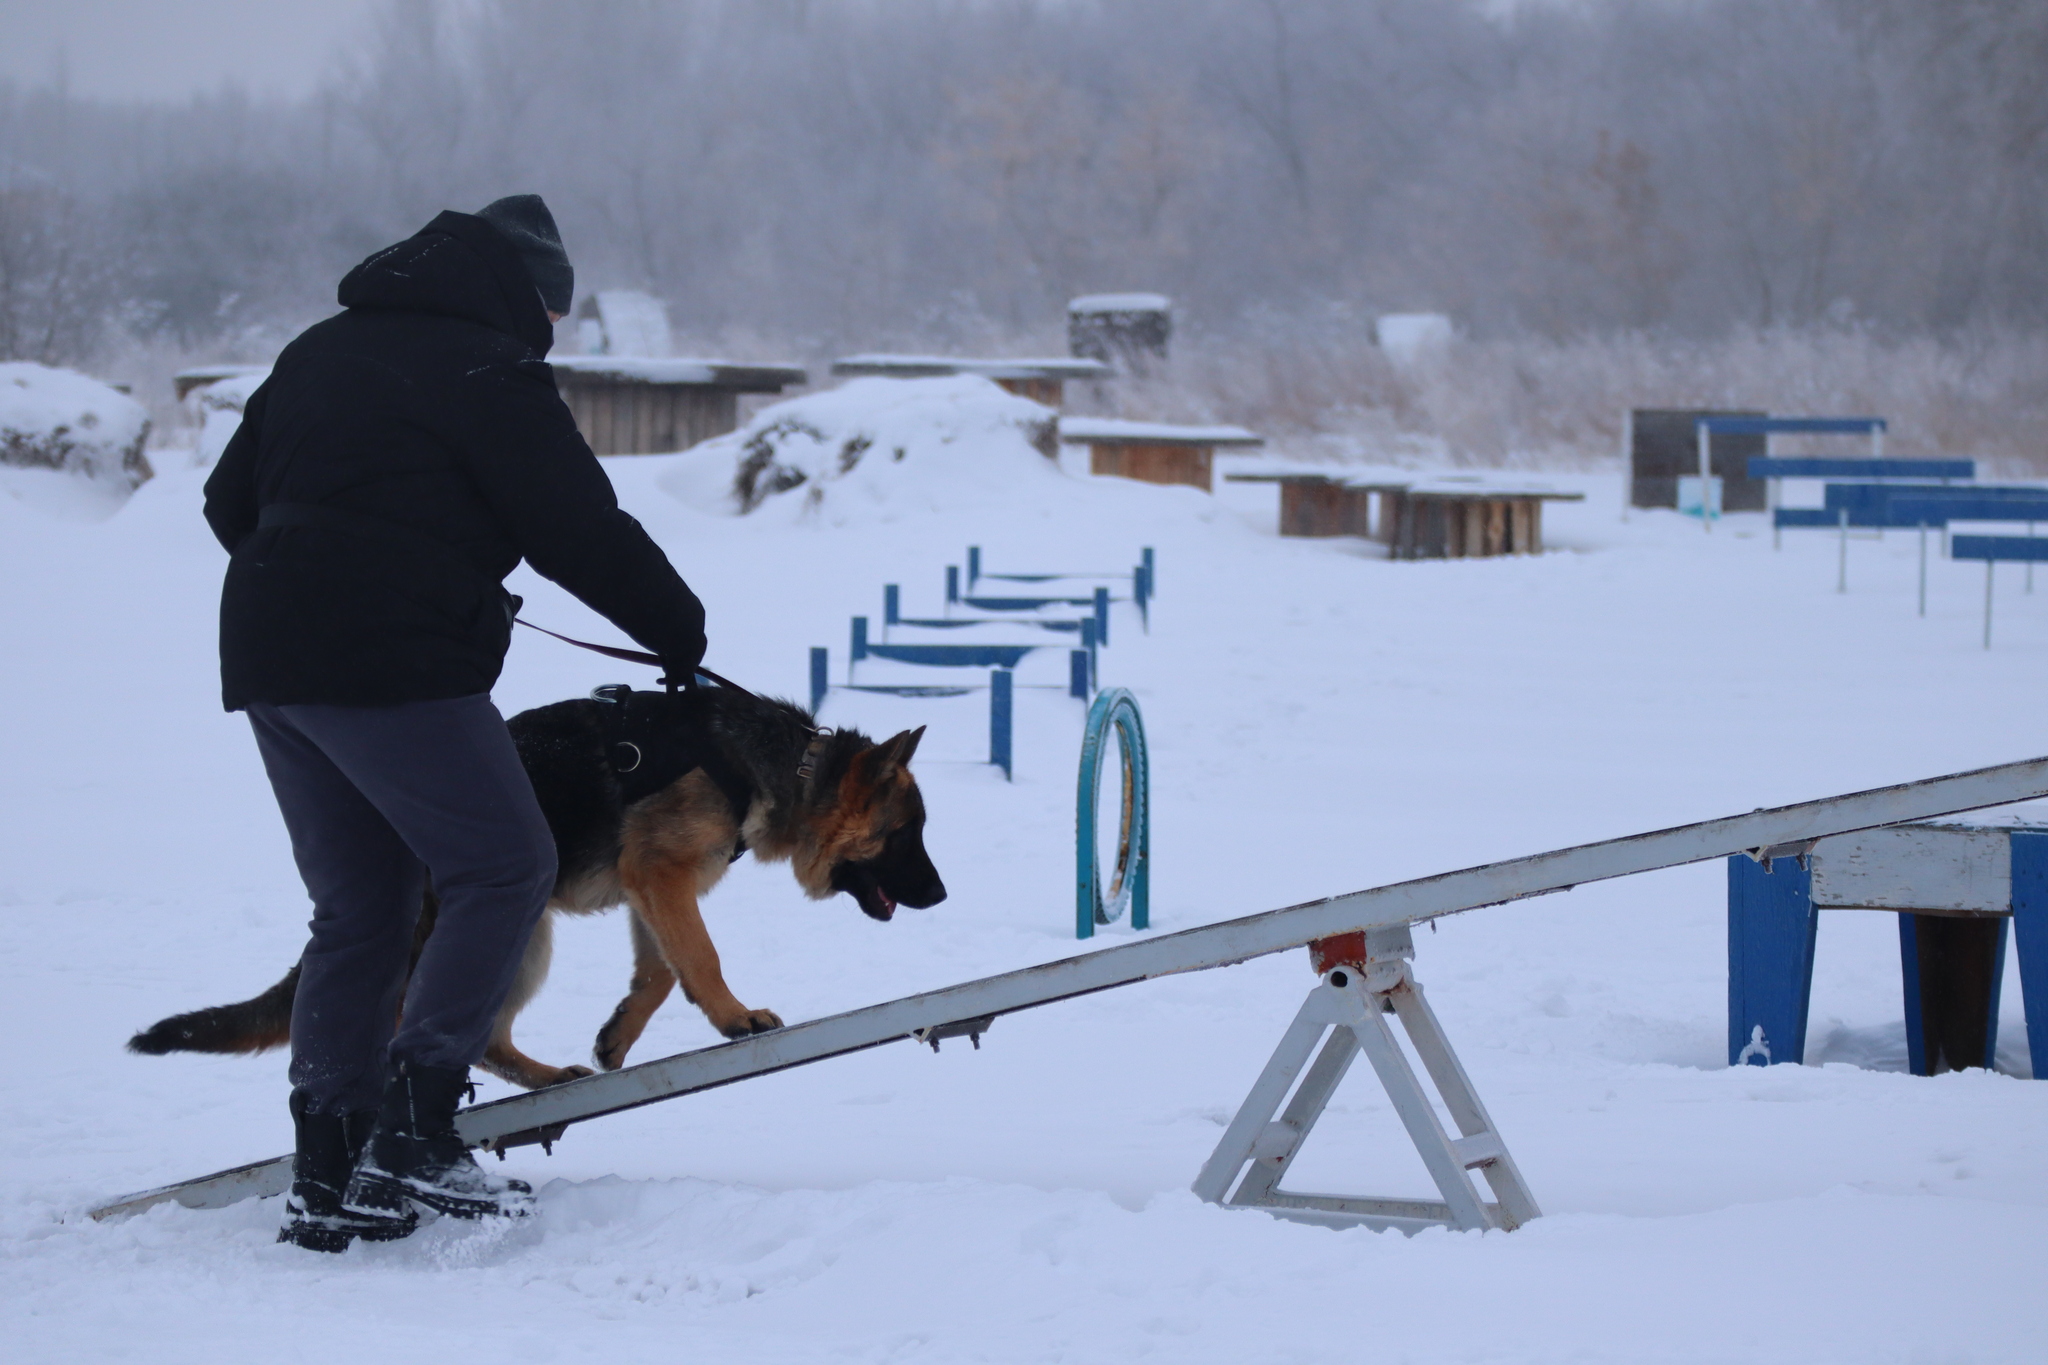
(1955, 886)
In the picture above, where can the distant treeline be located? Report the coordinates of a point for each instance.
(882, 172)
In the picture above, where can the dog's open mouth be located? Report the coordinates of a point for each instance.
(860, 883)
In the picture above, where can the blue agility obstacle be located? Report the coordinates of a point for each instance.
(1707, 488)
(892, 611)
(1991, 549)
(1001, 710)
(1141, 576)
(1844, 467)
(1956, 887)
(1001, 658)
(1130, 886)
(947, 655)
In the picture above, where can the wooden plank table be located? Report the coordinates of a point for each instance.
(1322, 504)
(1466, 517)
(1447, 517)
(1155, 452)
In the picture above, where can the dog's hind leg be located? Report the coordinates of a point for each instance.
(501, 1058)
(663, 893)
(651, 983)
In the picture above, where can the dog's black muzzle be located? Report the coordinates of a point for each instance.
(902, 875)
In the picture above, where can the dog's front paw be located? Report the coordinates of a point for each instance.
(572, 1073)
(752, 1022)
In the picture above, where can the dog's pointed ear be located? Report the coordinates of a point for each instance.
(891, 754)
(906, 743)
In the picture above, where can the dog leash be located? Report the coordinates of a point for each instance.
(633, 656)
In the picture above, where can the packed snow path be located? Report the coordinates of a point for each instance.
(1319, 719)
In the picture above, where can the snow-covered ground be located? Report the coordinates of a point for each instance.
(1321, 720)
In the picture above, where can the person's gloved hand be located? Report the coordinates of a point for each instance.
(679, 666)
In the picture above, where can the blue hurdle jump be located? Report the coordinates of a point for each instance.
(1955, 888)
(1001, 707)
(1707, 428)
(892, 611)
(1142, 578)
(1991, 549)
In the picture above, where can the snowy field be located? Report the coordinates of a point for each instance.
(1321, 720)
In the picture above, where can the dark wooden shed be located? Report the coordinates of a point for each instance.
(1664, 446)
(629, 405)
(1131, 330)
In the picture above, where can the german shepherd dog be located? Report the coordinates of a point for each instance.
(650, 798)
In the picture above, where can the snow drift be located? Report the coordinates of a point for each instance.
(60, 419)
(895, 444)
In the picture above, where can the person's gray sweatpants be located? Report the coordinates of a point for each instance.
(377, 799)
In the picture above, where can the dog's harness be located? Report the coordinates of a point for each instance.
(654, 739)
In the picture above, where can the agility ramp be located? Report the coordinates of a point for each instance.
(1362, 949)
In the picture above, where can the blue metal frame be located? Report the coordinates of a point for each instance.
(1114, 709)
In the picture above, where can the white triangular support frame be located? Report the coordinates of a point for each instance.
(1347, 1014)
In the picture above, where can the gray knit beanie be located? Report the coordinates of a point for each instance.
(525, 219)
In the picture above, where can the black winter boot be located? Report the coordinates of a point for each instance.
(322, 1162)
(414, 1156)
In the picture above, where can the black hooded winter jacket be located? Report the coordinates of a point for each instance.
(401, 459)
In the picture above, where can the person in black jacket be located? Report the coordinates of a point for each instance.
(402, 458)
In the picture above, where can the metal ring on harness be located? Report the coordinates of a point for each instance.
(637, 756)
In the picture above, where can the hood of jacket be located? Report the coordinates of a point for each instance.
(459, 266)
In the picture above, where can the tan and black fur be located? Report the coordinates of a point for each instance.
(843, 811)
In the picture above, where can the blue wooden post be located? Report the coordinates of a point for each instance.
(1102, 616)
(952, 584)
(1771, 924)
(892, 604)
(1077, 674)
(973, 566)
(818, 681)
(860, 645)
(1145, 558)
(999, 720)
(1088, 645)
(1909, 975)
(2030, 937)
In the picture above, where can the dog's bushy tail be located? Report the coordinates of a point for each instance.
(254, 1025)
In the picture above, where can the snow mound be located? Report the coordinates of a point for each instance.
(906, 445)
(63, 420)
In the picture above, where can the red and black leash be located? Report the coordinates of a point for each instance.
(632, 656)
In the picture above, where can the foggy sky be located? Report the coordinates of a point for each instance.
(156, 50)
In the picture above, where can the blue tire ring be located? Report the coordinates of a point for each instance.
(1129, 887)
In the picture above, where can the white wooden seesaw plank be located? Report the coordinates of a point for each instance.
(525, 1118)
